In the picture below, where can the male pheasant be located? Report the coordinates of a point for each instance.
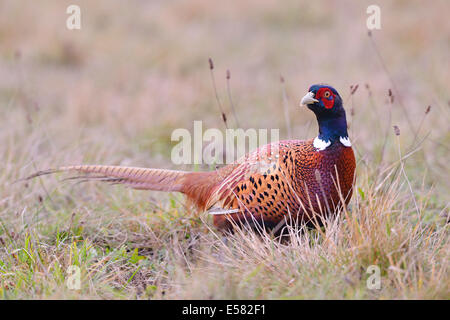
(290, 180)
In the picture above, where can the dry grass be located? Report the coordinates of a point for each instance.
(113, 92)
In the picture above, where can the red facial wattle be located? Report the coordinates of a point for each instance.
(326, 96)
(328, 103)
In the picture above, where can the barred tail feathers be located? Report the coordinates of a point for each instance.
(197, 186)
(137, 178)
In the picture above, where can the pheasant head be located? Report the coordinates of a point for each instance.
(326, 103)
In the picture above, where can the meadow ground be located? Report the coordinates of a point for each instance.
(113, 92)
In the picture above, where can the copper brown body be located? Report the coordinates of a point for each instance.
(292, 180)
(288, 180)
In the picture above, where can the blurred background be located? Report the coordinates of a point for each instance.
(113, 91)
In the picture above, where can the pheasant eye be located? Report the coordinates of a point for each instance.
(326, 94)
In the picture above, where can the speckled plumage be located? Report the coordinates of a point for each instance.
(299, 182)
(291, 180)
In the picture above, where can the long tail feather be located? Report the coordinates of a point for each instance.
(197, 186)
(137, 178)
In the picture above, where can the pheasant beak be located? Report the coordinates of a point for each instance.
(308, 99)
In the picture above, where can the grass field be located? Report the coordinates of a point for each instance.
(113, 92)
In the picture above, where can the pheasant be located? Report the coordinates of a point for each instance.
(293, 180)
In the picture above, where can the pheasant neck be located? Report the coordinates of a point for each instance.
(332, 129)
